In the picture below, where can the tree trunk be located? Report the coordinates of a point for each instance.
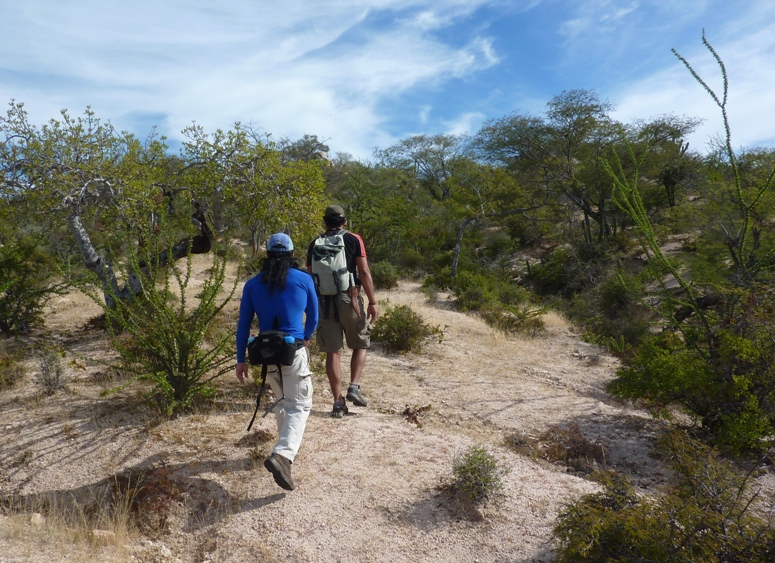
(198, 244)
(459, 244)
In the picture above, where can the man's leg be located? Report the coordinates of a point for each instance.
(292, 410)
(358, 335)
(334, 373)
(294, 396)
(357, 362)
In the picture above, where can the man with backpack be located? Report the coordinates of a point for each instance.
(280, 295)
(337, 261)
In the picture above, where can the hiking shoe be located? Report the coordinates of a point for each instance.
(280, 468)
(354, 395)
(340, 408)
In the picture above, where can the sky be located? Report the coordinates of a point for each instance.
(365, 74)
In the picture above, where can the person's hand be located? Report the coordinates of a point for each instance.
(242, 371)
(306, 343)
(371, 312)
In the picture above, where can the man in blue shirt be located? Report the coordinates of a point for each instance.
(280, 295)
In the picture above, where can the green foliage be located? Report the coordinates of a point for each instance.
(478, 478)
(162, 335)
(612, 312)
(25, 285)
(707, 514)
(731, 390)
(503, 305)
(384, 275)
(720, 368)
(256, 188)
(400, 329)
(561, 273)
(516, 320)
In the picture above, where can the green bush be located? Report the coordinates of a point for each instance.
(477, 475)
(25, 286)
(400, 329)
(568, 271)
(516, 320)
(163, 338)
(384, 275)
(51, 376)
(707, 514)
(441, 279)
(731, 391)
(502, 304)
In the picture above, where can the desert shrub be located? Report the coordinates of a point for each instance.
(25, 286)
(707, 514)
(731, 389)
(502, 304)
(721, 364)
(613, 313)
(400, 329)
(11, 368)
(162, 338)
(557, 274)
(51, 375)
(565, 445)
(477, 476)
(412, 259)
(441, 279)
(384, 275)
(516, 320)
(618, 292)
(476, 291)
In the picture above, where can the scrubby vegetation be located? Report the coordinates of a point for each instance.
(400, 329)
(478, 477)
(707, 514)
(163, 337)
(659, 253)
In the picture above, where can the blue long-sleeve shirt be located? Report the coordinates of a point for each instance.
(289, 306)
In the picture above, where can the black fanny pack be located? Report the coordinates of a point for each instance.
(273, 347)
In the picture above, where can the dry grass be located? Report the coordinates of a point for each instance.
(93, 527)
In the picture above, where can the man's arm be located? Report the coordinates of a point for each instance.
(364, 274)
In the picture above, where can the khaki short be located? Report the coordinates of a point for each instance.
(356, 329)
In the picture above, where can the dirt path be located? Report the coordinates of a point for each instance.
(368, 486)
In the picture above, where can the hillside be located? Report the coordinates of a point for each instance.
(370, 487)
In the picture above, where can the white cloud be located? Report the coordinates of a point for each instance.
(464, 124)
(292, 68)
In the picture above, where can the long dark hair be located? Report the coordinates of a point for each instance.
(275, 269)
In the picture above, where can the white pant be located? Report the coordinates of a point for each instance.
(292, 410)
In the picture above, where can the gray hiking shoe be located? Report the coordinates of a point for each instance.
(280, 468)
(354, 395)
(340, 408)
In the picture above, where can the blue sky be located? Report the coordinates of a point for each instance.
(362, 74)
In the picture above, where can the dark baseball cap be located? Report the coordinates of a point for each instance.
(334, 212)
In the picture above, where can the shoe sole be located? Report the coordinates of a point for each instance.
(276, 470)
(355, 400)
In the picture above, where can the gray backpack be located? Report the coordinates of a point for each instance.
(329, 264)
